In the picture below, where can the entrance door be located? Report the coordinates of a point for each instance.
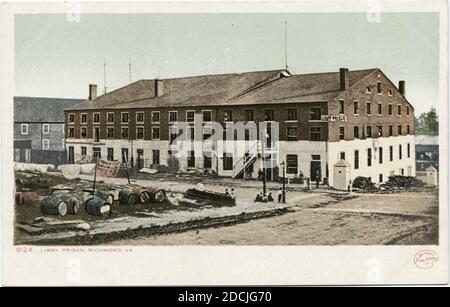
(316, 170)
(71, 155)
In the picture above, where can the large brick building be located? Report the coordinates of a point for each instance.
(358, 116)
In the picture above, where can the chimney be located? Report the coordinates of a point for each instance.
(92, 91)
(401, 87)
(343, 76)
(159, 88)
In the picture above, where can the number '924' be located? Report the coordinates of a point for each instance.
(246, 297)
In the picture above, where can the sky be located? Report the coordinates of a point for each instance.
(56, 57)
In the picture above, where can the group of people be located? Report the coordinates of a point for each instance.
(230, 194)
(260, 197)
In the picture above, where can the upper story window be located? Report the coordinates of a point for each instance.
(124, 118)
(389, 93)
(190, 115)
(124, 132)
(139, 117)
(292, 133)
(71, 118)
(269, 115)
(399, 130)
(316, 113)
(380, 110)
(379, 87)
(368, 90)
(155, 133)
(140, 133)
(227, 115)
(110, 118)
(407, 110)
(24, 129)
(249, 115)
(355, 107)
(368, 108)
(380, 131)
(292, 114)
(408, 129)
(45, 128)
(399, 109)
(83, 118)
(341, 107)
(391, 131)
(390, 109)
(207, 115)
(342, 133)
(315, 134)
(155, 117)
(173, 116)
(110, 132)
(96, 117)
(83, 132)
(45, 144)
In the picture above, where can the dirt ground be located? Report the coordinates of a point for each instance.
(369, 219)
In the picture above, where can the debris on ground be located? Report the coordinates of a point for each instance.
(363, 183)
(401, 182)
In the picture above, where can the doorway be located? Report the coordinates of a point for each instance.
(316, 170)
(71, 155)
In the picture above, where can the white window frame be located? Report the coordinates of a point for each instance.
(45, 131)
(93, 132)
(159, 117)
(45, 147)
(22, 126)
(210, 111)
(81, 135)
(176, 112)
(81, 119)
(187, 116)
(107, 132)
(143, 132)
(107, 117)
(143, 117)
(68, 132)
(121, 133)
(159, 133)
(389, 92)
(93, 117)
(68, 118)
(121, 114)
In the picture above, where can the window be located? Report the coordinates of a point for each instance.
(97, 153)
(368, 90)
(125, 157)
(341, 107)
(140, 133)
(83, 118)
(380, 155)
(96, 134)
(380, 177)
(110, 154)
(391, 131)
(379, 87)
(139, 117)
(83, 132)
(380, 131)
(292, 164)
(341, 133)
(399, 107)
(155, 117)
(83, 151)
(389, 93)
(227, 162)
(390, 109)
(191, 159)
(207, 133)
(356, 159)
(402, 171)
(190, 115)
(292, 114)
(124, 133)
(227, 116)
(408, 150)
(173, 132)
(400, 152)
(355, 107)
(356, 132)
(408, 131)
(124, 117)
(96, 117)
(407, 110)
(155, 133)
(110, 132)
(190, 133)
(71, 132)
(399, 130)
(316, 113)
(24, 129)
(249, 115)
(71, 118)
(110, 118)
(45, 144)
(342, 155)
(207, 160)
(315, 134)
(368, 108)
(369, 131)
(380, 111)
(155, 156)
(292, 133)
(207, 116)
(391, 153)
(269, 115)
(369, 157)
(173, 116)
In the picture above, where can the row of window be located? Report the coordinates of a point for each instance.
(367, 131)
(379, 89)
(24, 129)
(356, 108)
(124, 133)
(380, 155)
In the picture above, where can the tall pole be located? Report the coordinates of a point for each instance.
(284, 185)
(104, 77)
(285, 46)
(95, 176)
(264, 165)
(129, 68)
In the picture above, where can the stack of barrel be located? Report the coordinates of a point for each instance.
(142, 195)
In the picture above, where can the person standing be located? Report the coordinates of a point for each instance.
(280, 195)
(317, 179)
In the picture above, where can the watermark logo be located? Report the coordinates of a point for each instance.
(373, 11)
(73, 13)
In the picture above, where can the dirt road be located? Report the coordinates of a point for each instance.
(404, 218)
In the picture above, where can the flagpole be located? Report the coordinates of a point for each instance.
(95, 175)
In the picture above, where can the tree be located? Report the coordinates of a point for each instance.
(427, 123)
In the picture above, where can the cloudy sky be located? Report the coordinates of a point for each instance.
(58, 58)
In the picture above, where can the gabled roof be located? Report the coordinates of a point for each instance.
(41, 110)
(261, 87)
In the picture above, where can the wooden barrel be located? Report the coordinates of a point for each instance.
(97, 206)
(73, 204)
(142, 195)
(109, 197)
(157, 195)
(19, 199)
(27, 198)
(127, 197)
(53, 206)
